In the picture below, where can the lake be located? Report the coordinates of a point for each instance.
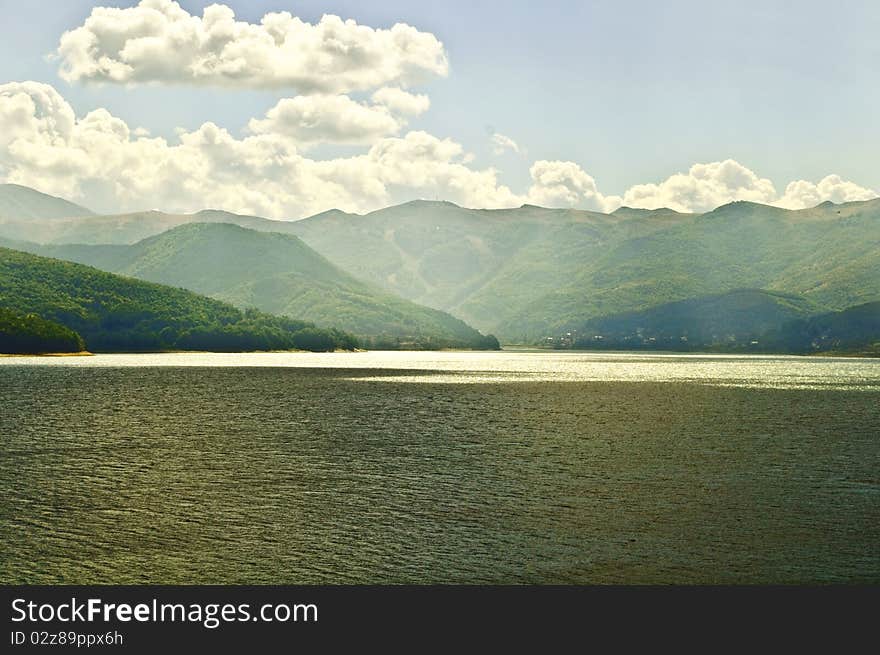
(439, 467)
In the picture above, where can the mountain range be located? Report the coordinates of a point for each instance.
(47, 301)
(23, 203)
(275, 273)
(530, 272)
(525, 274)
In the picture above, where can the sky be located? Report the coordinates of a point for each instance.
(358, 105)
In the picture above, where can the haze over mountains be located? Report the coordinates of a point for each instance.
(523, 274)
(529, 272)
(272, 272)
(22, 203)
(50, 306)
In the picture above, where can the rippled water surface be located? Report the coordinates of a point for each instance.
(439, 467)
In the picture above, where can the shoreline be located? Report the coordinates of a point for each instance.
(720, 353)
(509, 349)
(83, 353)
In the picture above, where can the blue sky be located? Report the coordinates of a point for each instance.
(632, 92)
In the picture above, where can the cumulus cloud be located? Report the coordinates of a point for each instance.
(27, 108)
(439, 166)
(565, 184)
(702, 188)
(707, 186)
(327, 119)
(502, 143)
(401, 102)
(99, 159)
(158, 41)
(801, 193)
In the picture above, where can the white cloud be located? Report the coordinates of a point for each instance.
(28, 108)
(565, 184)
(502, 143)
(707, 186)
(99, 160)
(703, 188)
(327, 119)
(158, 41)
(437, 167)
(800, 193)
(401, 102)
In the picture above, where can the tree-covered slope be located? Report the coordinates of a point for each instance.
(530, 272)
(829, 254)
(854, 329)
(114, 313)
(275, 273)
(731, 319)
(23, 203)
(28, 333)
(478, 264)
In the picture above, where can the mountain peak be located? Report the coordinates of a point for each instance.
(24, 203)
(739, 203)
(208, 210)
(423, 202)
(744, 207)
(642, 210)
(334, 213)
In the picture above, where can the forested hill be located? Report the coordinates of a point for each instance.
(853, 330)
(744, 320)
(276, 273)
(530, 272)
(28, 333)
(737, 319)
(114, 313)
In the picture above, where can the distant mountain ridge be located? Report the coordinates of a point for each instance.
(126, 229)
(23, 203)
(273, 272)
(531, 272)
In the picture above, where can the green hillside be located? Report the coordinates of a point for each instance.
(114, 313)
(23, 203)
(829, 254)
(125, 229)
(735, 319)
(855, 329)
(531, 272)
(28, 333)
(477, 264)
(275, 273)
(528, 273)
